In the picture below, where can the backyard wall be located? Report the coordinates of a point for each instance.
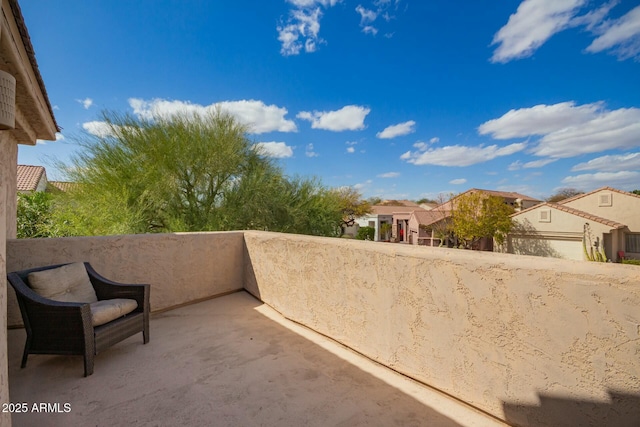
(533, 341)
(181, 267)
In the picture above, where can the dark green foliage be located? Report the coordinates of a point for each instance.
(366, 233)
(34, 215)
(188, 173)
(631, 261)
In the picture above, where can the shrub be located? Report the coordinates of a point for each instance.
(631, 261)
(366, 233)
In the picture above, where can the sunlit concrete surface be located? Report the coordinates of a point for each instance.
(230, 361)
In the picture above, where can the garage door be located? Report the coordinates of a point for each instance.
(555, 248)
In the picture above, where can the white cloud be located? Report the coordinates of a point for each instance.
(351, 150)
(366, 16)
(397, 130)
(360, 186)
(621, 179)
(530, 165)
(568, 130)
(621, 35)
(457, 155)
(98, 128)
(539, 120)
(517, 165)
(59, 137)
(370, 30)
(458, 181)
(531, 26)
(309, 151)
(389, 175)
(302, 27)
(612, 163)
(434, 140)
(618, 129)
(86, 103)
(257, 115)
(350, 117)
(274, 149)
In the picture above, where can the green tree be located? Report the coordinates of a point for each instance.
(34, 215)
(476, 215)
(187, 173)
(636, 192)
(366, 233)
(351, 205)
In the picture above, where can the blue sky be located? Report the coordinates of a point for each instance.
(399, 98)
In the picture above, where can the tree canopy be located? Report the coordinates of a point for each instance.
(187, 173)
(477, 215)
(564, 193)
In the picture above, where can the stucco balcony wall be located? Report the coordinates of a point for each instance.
(533, 341)
(182, 267)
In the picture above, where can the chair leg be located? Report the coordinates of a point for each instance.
(25, 354)
(88, 364)
(145, 332)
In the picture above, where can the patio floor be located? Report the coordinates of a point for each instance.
(229, 361)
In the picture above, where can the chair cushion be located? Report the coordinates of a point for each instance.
(106, 310)
(69, 283)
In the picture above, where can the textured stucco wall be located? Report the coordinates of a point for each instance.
(624, 208)
(7, 203)
(533, 341)
(181, 267)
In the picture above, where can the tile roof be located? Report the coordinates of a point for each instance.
(62, 185)
(29, 177)
(576, 212)
(390, 210)
(579, 196)
(430, 217)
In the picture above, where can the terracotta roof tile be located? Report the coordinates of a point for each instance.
(431, 217)
(29, 177)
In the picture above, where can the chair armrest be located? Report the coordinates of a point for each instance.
(46, 315)
(108, 289)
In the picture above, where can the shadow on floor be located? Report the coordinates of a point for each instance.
(622, 411)
(219, 363)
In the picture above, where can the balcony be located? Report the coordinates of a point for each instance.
(318, 331)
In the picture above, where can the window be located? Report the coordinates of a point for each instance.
(545, 215)
(632, 243)
(605, 199)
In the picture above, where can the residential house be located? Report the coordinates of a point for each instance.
(425, 227)
(605, 218)
(396, 213)
(31, 179)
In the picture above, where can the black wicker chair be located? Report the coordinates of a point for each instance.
(66, 328)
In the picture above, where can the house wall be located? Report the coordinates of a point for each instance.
(624, 208)
(483, 327)
(181, 267)
(559, 238)
(8, 153)
(416, 231)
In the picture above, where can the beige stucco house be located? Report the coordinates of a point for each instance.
(26, 116)
(609, 218)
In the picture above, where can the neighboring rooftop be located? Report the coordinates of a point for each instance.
(29, 177)
(577, 212)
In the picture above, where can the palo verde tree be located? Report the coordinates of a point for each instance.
(477, 215)
(187, 173)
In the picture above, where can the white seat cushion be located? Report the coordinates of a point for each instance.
(69, 283)
(105, 311)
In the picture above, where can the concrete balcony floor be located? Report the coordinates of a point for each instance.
(229, 361)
